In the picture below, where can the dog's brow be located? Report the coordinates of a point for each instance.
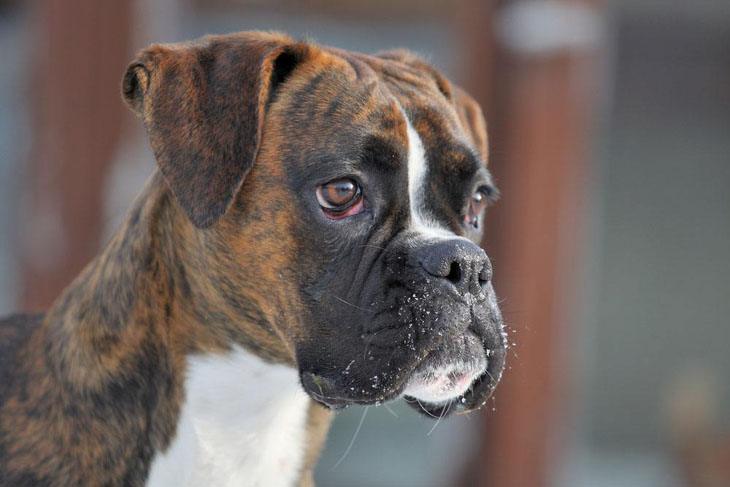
(453, 159)
(382, 152)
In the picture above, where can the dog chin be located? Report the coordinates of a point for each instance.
(443, 377)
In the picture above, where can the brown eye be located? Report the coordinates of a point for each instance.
(477, 203)
(340, 198)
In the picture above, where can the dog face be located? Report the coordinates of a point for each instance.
(350, 245)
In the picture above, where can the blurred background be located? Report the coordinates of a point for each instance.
(610, 141)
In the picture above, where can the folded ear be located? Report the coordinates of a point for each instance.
(203, 105)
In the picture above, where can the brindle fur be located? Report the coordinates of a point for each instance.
(212, 253)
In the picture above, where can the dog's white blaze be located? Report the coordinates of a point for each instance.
(417, 187)
(439, 388)
(243, 423)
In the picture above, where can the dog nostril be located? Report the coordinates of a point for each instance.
(454, 274)
(485, 275)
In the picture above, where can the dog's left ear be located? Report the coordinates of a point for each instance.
(204, 105)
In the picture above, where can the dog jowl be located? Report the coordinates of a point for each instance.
(308, 242)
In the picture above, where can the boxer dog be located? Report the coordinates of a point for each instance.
(308, 242)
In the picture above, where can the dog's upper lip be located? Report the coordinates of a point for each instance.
(465, 365)
(467, 298)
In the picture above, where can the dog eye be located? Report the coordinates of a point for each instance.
(475, 208)
(340, 198)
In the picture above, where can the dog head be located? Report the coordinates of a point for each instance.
(337, 200)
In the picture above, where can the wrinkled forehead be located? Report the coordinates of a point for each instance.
(346, 104)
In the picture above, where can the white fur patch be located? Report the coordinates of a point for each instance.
(243, 423)
(442, 384)
(417, 171)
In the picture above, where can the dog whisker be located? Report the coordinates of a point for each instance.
(354, 437)
(424, 409)
(349, 303)
(390, 410)
(444, 412)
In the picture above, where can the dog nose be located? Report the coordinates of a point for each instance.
(459, 261)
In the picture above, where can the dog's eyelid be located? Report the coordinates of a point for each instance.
(491, 193)
(485, 184)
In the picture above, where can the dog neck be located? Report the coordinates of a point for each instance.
(138, 330)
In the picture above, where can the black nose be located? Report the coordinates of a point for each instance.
(462, 263)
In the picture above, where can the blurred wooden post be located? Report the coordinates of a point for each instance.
(81, 48)
(538, 97)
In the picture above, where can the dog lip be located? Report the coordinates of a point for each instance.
(493, 341)
(467, 298)
(448, 373)
(443, 384)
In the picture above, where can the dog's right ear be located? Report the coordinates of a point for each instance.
(203, 105)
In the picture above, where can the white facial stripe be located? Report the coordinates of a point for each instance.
(417, 171)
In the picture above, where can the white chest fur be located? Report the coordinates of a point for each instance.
(243, 423)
